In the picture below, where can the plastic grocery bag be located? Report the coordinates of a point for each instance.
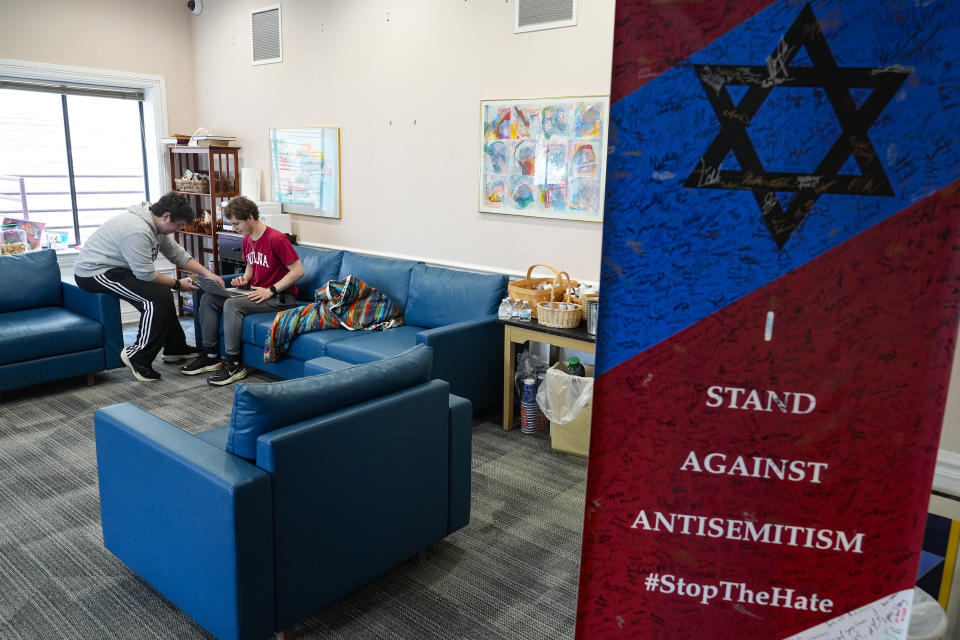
(927, 618)
(562, 396)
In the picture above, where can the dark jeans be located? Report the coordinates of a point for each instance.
(233, 310)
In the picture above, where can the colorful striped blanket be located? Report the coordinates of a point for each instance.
(349, 304)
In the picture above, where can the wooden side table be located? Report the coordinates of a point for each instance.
(518, 332)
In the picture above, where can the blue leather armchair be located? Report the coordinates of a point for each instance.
(50, 329)
(317, 486)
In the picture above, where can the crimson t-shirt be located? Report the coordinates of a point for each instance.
(268, 258)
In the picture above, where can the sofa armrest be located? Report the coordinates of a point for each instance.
(461, 442)
(103, 308)
(192, 520)
(468, 355)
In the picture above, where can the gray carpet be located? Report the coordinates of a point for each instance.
(511, 573)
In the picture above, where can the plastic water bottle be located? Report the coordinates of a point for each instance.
(525, 312)
(505, 312)
(516, 309)
(574, 368)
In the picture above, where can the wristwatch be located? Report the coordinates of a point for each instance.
(273, 289)
(176, 285)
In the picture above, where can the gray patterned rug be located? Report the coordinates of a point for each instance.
(511, 573)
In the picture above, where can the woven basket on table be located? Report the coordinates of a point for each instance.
(525, 289)
(551, 315)
(583, 302)
(192, 186)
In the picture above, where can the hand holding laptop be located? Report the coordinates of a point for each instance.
(214, 288)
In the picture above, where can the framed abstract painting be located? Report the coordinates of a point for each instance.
(305, 168)
(544, 157)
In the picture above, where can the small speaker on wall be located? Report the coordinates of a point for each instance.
(536, 15)
(265, 34)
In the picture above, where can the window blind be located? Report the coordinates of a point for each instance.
(71, 88)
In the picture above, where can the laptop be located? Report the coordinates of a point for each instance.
(211, 287)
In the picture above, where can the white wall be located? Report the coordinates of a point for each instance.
(141, 36)
(950, 436)
(403, 81)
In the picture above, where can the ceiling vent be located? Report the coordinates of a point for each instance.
(536, 15)
(265, 31)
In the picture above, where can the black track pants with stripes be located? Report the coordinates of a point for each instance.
(159, 326)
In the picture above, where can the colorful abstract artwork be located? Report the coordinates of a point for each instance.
(494, 190)
(547, 155)
(521, 192)
(305, 165)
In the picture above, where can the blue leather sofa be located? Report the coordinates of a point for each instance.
(317, 486)
(452, 311)
(50, 329)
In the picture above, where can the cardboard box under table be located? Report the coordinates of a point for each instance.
(574, 436)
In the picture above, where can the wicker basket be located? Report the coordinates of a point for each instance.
(192, 186)
(583, 302)
(551, 315)
(526, 289)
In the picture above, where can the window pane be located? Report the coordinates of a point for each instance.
(32, 146)
(107, 158)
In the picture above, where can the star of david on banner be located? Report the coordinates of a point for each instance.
(760, 81)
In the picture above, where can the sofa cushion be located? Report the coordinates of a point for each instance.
(29, 334)
(386, 274)
(319, 267)
(446, 296)
(367, 346)
(261, 408)
(310, 345)
(324, 364)
(304, 347)
(29, 280)
(256, 326)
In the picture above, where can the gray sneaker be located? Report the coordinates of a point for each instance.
(229, 373)
(201, 364)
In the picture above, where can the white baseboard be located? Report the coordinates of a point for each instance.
(946, 478)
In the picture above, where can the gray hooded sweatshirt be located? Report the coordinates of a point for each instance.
(128, 241)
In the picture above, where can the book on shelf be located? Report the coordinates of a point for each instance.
(212, 141)
(175, 138)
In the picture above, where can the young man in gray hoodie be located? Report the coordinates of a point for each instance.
(119, 259)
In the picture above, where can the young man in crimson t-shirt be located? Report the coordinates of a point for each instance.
(272, 269)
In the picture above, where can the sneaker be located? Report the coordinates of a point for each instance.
(139, 371)
(201, 364)
(189, 354)
(229, 373)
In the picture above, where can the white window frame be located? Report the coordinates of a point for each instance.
(154, 103)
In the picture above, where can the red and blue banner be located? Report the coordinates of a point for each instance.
(779, 306)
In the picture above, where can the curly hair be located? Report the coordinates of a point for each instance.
(177, 205)
(241, 208)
